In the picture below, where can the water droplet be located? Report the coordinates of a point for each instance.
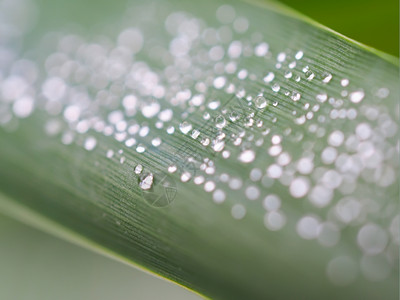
(90, 143)
(276, 87)
(261, 49)
(307, 227)
(156, 142)
(218, 145)
(336, 138)
(310, 75)
(372, 239)
(23, 107)
(299, 187)
(220, 122)
(260, 102)
(247, 156)
(295, 96)
(138, 169)
(185, 127)
(140, 148)
(269, 77)
(238, 211)
(322, 97)
(172, 168)
(110, 154)
(272, 203)
(146, 182)
(209, 186)
(185, 177)
(299, 55)
(357, 96)
(219, 196)
(281, 57)
(326, 77)
(344, 82)
(288, 74)
(274, 220)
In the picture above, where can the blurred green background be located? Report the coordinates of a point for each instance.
(37, 266)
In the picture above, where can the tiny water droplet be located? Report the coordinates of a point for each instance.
(299, 55)
(357, 96)
(326, 77)
(276, 87)
(310, 75)
(234, 116)
(269, 77)
(140, 148)
(260, 102)
(288, 74)
(295, 96)
(218, 145)
(322, 97)
(138, 169)
(247, 156)
(172, 168)
(185, 177)
(292, 65)
(344, 82)
(195, 134)
(185, 127)
(220, 122)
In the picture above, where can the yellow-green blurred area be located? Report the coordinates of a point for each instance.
(374, 23)
(37, 266)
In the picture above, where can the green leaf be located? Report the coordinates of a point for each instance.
(283, 137)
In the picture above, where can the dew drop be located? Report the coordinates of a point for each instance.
(344, 82)
(274, 220)
(299, 187)
(138, 169)
(269, 77)
(238, 211)
(220, 122)
(172, 168)
(299, 55)
(372, 239)
(276, 87)
(247, 156)
(307, 227)
(260, 102)
(295, 96)
(185, 127)
(219, 196)
(146, 182)
(90, 143)
(288, 74)
(310, 75)
(357, 96)
(326, 77)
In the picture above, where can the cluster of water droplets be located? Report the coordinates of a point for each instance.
(197, 91)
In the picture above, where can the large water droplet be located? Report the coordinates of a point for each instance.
(146, 182)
